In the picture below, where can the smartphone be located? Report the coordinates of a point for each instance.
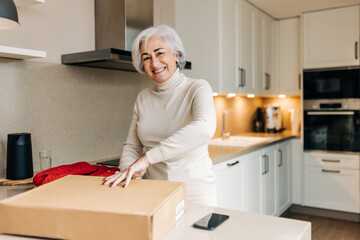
(210, 221)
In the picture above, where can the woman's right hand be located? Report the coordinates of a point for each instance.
(135, 170)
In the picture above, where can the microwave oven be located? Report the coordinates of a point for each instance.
(341, 83)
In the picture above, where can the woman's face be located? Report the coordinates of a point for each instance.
(158, 59)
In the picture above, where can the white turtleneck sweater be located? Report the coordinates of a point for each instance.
(173, 122)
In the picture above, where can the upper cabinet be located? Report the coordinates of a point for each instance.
(288, 56)
(331, 38)
(207, 30)
(265, 54)
(233, 45)
(164, 12)
(246, 44)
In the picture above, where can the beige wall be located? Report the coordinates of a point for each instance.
(78, 113)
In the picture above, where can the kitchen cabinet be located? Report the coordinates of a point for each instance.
(260, 189)
(296, 172)
(331, 181)
(246, 17)
(268, 188)
(331, 38)
(288, 56)
(257, 182)
(256, 50)
(164, 12)
(283, 179)
(209, 36)
(265, 54)
(230, 184)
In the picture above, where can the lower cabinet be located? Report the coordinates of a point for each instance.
(258, 182)
(268, 181)
(283, 167)
(331, 181)
(230, 184)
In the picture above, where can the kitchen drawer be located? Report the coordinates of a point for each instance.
(330, 160)
(332, 189)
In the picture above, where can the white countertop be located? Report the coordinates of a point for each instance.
(240, 225)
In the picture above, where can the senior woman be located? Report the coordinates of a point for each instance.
(172, 122)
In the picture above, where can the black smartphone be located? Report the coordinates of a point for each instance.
(210, 221)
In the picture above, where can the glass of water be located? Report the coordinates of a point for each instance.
(45, 160)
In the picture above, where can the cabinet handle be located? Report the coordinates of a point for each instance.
(330, 171)
(242, 81)
(356, 50)
(243, 78)
(330, 160)
(264, 158)
(232, 164)
(300, 81)
(267, 81)
(281, 158)
(267, 161)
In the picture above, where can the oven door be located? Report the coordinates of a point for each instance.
(331, 84)
(332, 130)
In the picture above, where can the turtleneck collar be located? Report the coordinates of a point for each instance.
(169, 84)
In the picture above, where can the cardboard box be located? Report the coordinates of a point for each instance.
(79, 207)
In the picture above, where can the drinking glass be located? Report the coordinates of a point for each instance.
(45, 160)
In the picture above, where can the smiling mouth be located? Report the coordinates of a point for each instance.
(159, 71)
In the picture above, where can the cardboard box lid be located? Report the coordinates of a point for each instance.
(140, 197)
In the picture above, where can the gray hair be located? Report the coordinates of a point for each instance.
(170, 37)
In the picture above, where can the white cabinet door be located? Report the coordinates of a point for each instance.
(265, 54)
(260, 190)
(197, 22)
(288, 56)
(230, 184)
(297, 166)
(331, 38)
(269, 204)
(253, 182)
(164, 12)
(283, 176)
(246, 47)
(336, 189)
(331, 181)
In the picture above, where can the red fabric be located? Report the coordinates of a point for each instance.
(80, 168)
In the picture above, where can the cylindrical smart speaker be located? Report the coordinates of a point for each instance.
(19, 164)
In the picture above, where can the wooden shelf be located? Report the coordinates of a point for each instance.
(25, 3)
(20, 53)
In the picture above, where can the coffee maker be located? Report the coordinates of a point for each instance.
(273, 119)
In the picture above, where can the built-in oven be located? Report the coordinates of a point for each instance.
(340, 83)
(332, 125)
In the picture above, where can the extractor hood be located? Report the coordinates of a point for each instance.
(117, 23)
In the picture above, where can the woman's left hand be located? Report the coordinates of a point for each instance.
(135, 170)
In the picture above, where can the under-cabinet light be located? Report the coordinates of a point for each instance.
(230, 95)
(251, 95)
(282, 96)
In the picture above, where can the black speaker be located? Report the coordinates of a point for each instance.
(19, 164)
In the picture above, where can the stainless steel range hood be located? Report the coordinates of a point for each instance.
(117, 23)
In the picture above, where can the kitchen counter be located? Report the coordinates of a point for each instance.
(220, 154)
(240, 225)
